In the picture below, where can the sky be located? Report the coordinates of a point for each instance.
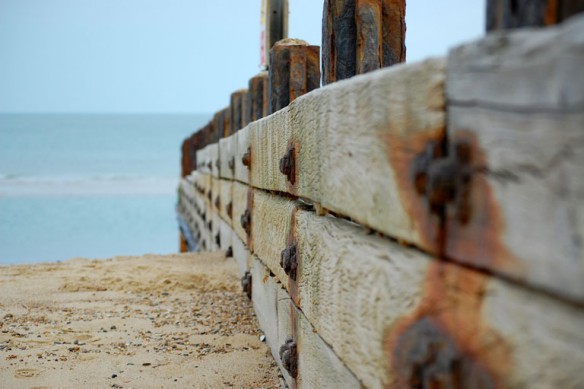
(170, 56)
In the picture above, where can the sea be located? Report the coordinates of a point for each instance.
(89, 185)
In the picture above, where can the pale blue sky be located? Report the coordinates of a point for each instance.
(169, 55)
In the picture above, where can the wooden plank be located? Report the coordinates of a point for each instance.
(370, 299)
(241, 254)
(243, 148)
(203, 160)
(523, 207)
(227, 157)
(505, 14)
(318, 366)
(382, 308)
(225, 236)
(226, 201)
(240, 204)
(363, 133)
(272, 225)
(213, 158)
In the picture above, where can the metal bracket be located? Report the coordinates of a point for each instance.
(289, 260)
(289, 357)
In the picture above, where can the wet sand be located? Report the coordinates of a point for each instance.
(130, 322)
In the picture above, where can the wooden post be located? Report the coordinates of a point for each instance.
(294, 70)
(227, 127)
(509, 14)
(258, 96)
(236, 110)
(360, 36)
(274, 26)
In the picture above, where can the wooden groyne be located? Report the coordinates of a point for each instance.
(416, 226)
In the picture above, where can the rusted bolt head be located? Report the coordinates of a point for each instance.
(288, 165)
(289, 260)
(246, 221)
(246, 159)
(246, 284)
(289, 357)
(442, 181)
(229, 252)
(229, 209)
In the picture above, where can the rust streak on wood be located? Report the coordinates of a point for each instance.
(445, 342)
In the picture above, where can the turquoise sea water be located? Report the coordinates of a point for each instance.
(91, 186)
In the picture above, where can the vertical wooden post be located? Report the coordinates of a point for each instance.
(510, 14)
(227, 127)
(274, 25)
(360, 36)
(258, 96)
(237, 110)
(294, 70)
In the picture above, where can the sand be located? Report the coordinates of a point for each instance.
(177, 321)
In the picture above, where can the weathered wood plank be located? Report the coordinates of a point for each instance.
(242, 150)
(203, 160)
(362, 133)
(226, 201)
(240, 254)
(318, 366)
(225, 236)
(522, 213)
(213, 158)
(240, 205)
(227, 157)
(378, 304)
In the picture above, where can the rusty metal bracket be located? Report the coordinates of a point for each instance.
(246, 221)
(246, 284)
(246, 159)
(444, 180)
(289, 260)
(289, 357)
(288, 165)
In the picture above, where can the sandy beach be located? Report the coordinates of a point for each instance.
(130, 322)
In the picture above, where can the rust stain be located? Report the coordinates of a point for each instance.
(479, 239)
(401, 153)
(551, 13)
(293, 151)
(445, 343)
(292, 239)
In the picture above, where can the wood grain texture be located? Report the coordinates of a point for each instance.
(242, 146)
(361, 133)
(227, 157)
(318, 366)
(240, 195)
(240, 254)
(522, 119)
(379, 305)
(226, 198)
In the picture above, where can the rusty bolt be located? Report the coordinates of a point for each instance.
(289, 357)
(246, 159)
(218, 239)
(209, 165)
(229, 252)
(246, 221)
(231, 163)
(229, 209)
(288, 165)
(217, 202)
(246, 284)
(289, 260)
